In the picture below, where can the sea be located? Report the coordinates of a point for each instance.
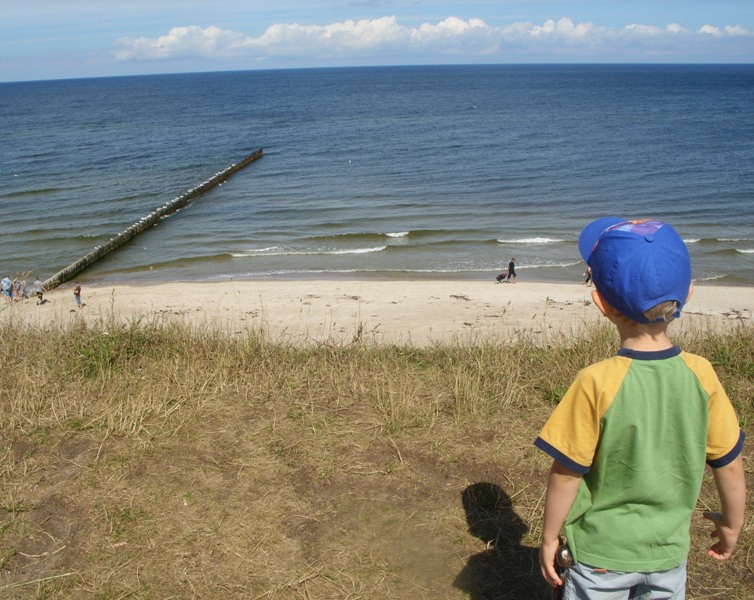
(385, 172)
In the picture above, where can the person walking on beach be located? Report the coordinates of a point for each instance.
(5, 288)
(511, 271)
(77, 294)
(15, 289)
(631, 437)
(39, 290)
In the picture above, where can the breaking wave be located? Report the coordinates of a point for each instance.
(533, 240)
(277, 251)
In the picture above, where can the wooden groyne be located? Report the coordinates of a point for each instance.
(145, 222)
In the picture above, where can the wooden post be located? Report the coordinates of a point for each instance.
(145, 222)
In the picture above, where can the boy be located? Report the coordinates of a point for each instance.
(632, 435)
(77, 294)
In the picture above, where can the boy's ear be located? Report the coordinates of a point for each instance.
(605, 307)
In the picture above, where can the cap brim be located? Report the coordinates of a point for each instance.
(592, 232)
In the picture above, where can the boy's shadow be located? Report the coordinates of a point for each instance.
(506, 570)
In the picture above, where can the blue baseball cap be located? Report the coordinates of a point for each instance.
(636, 265)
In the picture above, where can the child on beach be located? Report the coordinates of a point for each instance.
(631, 437)
(77, 294)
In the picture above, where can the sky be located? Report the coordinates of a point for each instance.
(62, 39)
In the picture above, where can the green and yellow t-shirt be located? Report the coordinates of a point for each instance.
(639, 427)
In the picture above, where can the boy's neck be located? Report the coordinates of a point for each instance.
(649, 337)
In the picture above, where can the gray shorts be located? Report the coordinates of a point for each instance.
(583, 582)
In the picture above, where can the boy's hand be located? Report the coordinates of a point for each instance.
(562, 487)
(726, 537)
(731, 487)
(547, 563)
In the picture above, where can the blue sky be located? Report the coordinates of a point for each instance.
(58, 39)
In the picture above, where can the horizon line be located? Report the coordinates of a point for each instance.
(390, 66)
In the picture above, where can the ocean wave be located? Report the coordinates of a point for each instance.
(419, 234)
(692, 240)
(374, 272)
(354, 251)
(38, 192)
(732, 251)
(286, 272)
(712, 241)
(176, 263)
(453, 242)
(57, 237)
(363, 236)
(260, 251)
(136, 197)
(342, 237)
(561, 265)
(276, 251)
(533, 240)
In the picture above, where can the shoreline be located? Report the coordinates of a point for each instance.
(526, 274)
(340, 311)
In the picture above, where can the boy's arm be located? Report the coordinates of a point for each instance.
(562, 486)
(731, 487)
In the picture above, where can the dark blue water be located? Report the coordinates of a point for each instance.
(402, 172)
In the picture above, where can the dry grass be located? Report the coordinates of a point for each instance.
(158, 462)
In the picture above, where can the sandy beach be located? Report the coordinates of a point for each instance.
(340, 311)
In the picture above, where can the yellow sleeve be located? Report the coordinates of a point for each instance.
(723, 429)
(573, 430)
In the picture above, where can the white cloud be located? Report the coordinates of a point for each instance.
(180, 41)
(347, 36)
(644, 30)
(386, 37)
(566, 29)
(738, 31)
(710, 30)
(450, 27)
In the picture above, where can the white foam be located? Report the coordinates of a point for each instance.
(549, 265)
(276, 251)
(400, 234)
(710, 278)
(533, 240)
(355, 251)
